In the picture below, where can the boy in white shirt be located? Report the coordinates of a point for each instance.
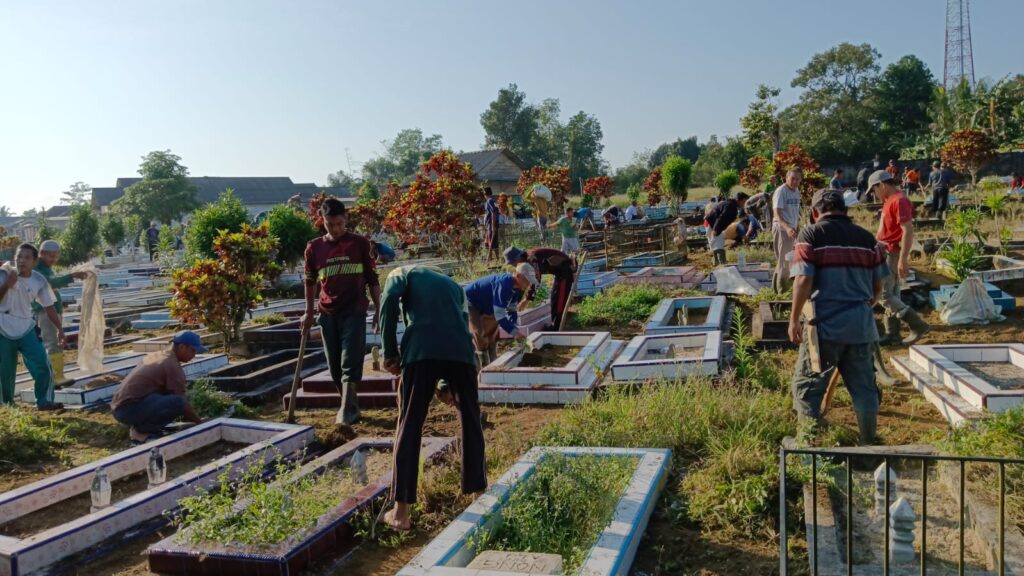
(20, 286)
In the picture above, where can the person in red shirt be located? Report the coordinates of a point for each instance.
(342, 266)
(893, 170)
(896, 234)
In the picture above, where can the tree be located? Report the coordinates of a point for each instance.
(510, 122)
(652, 186)
(633, 173)
(219, 292)
(601, 187)
(583, 143)
(342, 179)
(368, 192)
(5, 212)
(44, 231)
(968, 151)
(402, 156)
(675, 177)
(77, 193)
(112, 230)
(206, 224)
(292, 230)
(164, 193)
(761, 124)
(82, 236)
(900, 100)
(716, 157)
(726, 180)
(688, 149)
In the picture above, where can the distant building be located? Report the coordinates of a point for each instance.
(500, 169)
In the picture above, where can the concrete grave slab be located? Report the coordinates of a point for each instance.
(669, 356)
(687, 277)
(702, 314)
(590, 283)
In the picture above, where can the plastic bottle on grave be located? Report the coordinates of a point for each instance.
(157, 468)
(100, 490)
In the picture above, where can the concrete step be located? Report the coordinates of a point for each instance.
(373, 382)
(953, 408)
(306, 400)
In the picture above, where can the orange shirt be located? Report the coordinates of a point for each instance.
(913, 177)
(896, 210)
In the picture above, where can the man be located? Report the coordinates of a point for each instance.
(724, 214)
(436, 346)
(491, 214)
(153, 394)
(939, 181)
(839, 267)
(20, 286)
(49, 254)
(634, 212)
(896, 234)
(492, 305)
(893, 170)
(612, 216)
(541, 206)
(342, 266)
(785, 225)
(911, 180)
(583, 216)
(152, 239)
(862, 182)
(553, 262)
(744, 230)
(570, 237)
(837, 180)
(876, 163)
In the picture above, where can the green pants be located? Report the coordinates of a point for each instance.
(37, 362)
(344, 338)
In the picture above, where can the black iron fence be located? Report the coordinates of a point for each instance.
(839, 464)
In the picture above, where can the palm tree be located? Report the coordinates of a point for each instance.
(5, 212)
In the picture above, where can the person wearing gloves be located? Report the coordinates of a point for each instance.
(492, 305)
(20, 286)
(49, 255)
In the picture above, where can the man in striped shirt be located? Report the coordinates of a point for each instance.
(839, 267)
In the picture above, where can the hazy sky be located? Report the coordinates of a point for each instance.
(302, 88)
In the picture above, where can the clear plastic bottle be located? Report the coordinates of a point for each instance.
(741, 259)
(358, 467)
(100, 490)
(157, 468)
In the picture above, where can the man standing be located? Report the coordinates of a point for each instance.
(152, 239)
(911, 180)
(491, 214)
(896, 234)
(723, 214)
(153, 394)
(570, 237)
(839, 267)
(20, 286)
(837, 180)
(49, 254)
(436, 346)
(893, 170)
(939, 181)
(342, 265)
(862, 182)
(785, 225)
(493, 304)
(553, 262)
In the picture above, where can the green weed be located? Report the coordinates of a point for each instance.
(209, 402)
(269, 319)
(620, 305)
(26, 439)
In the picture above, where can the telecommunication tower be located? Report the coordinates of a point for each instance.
(959, 54)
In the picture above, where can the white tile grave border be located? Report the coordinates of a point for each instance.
(941, 361)
(612, 554)
(659, 320)
(631, 365)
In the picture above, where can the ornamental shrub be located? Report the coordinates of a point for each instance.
(227, 213)
(292, 230)
(676, 172)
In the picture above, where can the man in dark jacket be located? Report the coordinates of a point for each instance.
(723, 214)
(553, 262)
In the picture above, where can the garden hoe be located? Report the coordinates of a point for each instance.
(298, 376)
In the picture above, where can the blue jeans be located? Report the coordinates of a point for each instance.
(37, 362)
(152, 413)
(856, 364)
(344, 338)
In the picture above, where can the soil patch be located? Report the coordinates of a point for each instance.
(549, 357)
(1002, 375)
(694, 317)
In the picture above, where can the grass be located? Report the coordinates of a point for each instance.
(621, 304)
(562, 508)
(28, 440)
(209, 402)
(269, 319)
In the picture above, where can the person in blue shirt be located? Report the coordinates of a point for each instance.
(493, 304)
(583, 216)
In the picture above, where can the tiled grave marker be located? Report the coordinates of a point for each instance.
(668, 356)
(687, 277)
(701, 313)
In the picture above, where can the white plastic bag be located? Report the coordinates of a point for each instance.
(971, 304)
(92, 324)
(730, 281)
(542, 191)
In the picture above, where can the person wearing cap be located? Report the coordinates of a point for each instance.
(493, 304)
(152, 395)
(785, 225)
(896, 235)
(436, 346)
(939, 181)
(49, 254)
(839, 266)
(21, 286)
(553, 262)
(719, 220)
(340, 266)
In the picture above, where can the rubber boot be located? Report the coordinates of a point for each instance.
(917, 326)
(867, 423)
(719, 257)
(481, 360)
(892, 331)
(57, 365)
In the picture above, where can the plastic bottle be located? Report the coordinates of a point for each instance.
(157, 468)
(741, 259)
(358, 467)
(100, 490)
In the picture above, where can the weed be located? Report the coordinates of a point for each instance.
(743, 345)
(27, 439)
(620, 305)
(963, 258)
(209, 402)
(269, 319)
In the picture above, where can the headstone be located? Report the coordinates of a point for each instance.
(901, 531)
(517, 562)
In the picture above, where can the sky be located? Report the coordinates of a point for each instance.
(302, 88)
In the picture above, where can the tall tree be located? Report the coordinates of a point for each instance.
(716, 157)
(343, 179)
(164, 193)
(584, 147)
(5, 212)
(82, 236)
(901, 98)
(633, 173)
(688, 149)
(511, 122)
(761, 124)
(402, 156)
(77, 193)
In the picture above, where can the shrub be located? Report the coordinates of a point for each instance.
(963, 257)
(292, 230)
(633, 192)
(726, 180)
(226, 214)
(82, 236)
(27, 439)
(675, 177)
(620, 305)
(269, 319)
(599, 187)
(209, 402)
(652, 186)
(112, 229)
(968, 151)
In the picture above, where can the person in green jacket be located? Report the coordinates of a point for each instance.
(436, 346)
(49, 254)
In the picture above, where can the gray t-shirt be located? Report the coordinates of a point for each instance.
(787, 202)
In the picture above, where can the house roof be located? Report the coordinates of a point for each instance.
(250, 190)
(58, 211)
(484, 164)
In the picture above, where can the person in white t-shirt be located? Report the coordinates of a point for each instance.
(785, 225)
(20, 286)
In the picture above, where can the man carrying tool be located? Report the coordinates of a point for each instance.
(436, 346)
(896, 234)
(342, 266)
(839, 268)
(49, 254)
(553, 262)
(492, 305)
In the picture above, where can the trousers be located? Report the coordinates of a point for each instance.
(344, 339)
(782, 244)
(891, 301)
(560, 290)
(152, 413)
(37, 362)
(856, 365)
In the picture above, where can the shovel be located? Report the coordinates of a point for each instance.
(298, 376)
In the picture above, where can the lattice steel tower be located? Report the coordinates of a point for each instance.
(959, 54)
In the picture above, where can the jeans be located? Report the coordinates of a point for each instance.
(940, 200)
(151, 414)
(856, 364)
(891, 301)
(37, 362)
(344, 338)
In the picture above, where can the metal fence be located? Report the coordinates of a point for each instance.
(844, 458)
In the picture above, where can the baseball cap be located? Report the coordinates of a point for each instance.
(513, 254)
(189, 338)
(877, 177)
(828, 200)
(49, 246)
(527, 270)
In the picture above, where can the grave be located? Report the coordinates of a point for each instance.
(452, 551)
(758, 274)
(378, 389)
(331, 535)
(90, 389)
(669, 356)
(590, 283)
(24, 555)
(966, 381)
(594, 265)
(992, 268)
(648, 259)
(687, 277)
(257, 378)
(288, 335)
(939, 298)
(678, 315)
(771, 323)
(557, 368)
(157, 320)
(532, 320)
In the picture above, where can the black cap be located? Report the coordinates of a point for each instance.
(828, 200)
